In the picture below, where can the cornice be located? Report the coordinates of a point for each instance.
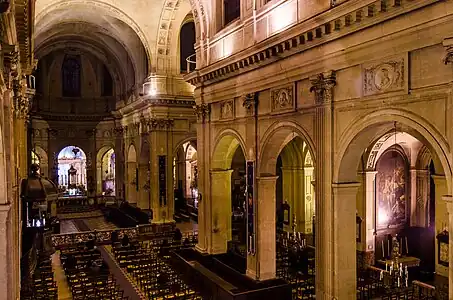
(344, 21)
(149, 101)
(24, 16)
(78, 118)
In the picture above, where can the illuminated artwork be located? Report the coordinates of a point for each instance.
(391, 190)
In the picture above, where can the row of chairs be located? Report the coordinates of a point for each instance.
(43, 283)
(88, 275)
(150, 268)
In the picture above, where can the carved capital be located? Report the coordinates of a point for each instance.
(10, 56)
(448, 45)
(202, 111)
(322, 85)
(160, 124)
(250, 102)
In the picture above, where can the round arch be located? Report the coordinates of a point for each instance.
(99, 171)
(367, 128)
(277, 136)
(131, 154)
(43, 160)
(179, 145)
(107, 8)
(224, 149)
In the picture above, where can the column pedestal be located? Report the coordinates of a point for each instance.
(7, 269)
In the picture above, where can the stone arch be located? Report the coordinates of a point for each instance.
(111, 9)
(99, 156)
(275, 139)
(364, 129)
(131, 154)
(424, 158)
(224, 149)
(179, 145)
(43, 160)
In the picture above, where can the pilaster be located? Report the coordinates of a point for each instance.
(7, 268)
(344, 277)
(442, 216)
(220, 230)
(322, 87)
(449, 203)
(204, 177)
(262, 265)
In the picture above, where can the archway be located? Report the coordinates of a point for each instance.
(72, 178)
(131, 175)
(185, 182)
(39, 156)
(106, 179)
(381, 151)
(228, 182)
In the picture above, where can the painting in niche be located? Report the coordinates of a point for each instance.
(391, 190)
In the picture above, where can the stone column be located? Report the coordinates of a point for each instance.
(449, 203)
(322, 86)
(442, 217)
(369, 217)
(7, 269)
(221, 210)
(344, 277)
(419, 197)
(262, 265)
(203, 153)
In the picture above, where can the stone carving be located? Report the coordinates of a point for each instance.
(10, 61)
(448, 45)
(283, 98)
(249, 101)
(53, 133)
(322, 85)
(227, 110)
(384, 77)
(202, 111)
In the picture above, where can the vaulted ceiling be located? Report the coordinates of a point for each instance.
(135, 37)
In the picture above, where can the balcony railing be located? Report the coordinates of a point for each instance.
(191, 63)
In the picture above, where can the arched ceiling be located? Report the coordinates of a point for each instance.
(146, 30)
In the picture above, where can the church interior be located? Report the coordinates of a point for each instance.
(226, 149)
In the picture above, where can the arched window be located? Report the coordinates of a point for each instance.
(231, 10)
(71, 80)
(186, 45)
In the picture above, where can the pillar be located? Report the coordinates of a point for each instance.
(203, 153)
(322, 86)
(419, 197)
(344, 277)
(220, 210)
(8, 269)
(448, 201)
(442, 217)
(294, 193)
(131, 179)
(369, 217)
(262, 265)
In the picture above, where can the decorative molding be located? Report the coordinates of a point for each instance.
(283, 99)
(448, 45)
(322, 85)
(250, 102)
(73, 117)
(227, 110)
(386, 76)
(202, 111)
(336, 24)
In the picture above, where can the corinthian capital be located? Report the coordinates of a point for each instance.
(202, 111)
(322, 85)
(448, 45)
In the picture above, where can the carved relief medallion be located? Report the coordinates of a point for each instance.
(283, 99)
(384, 77)
(227, 109)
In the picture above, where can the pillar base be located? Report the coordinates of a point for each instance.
(201, 250)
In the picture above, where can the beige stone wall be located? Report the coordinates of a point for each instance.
(391, 71)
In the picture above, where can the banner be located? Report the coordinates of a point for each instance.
(250, 182)
(162, 180)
